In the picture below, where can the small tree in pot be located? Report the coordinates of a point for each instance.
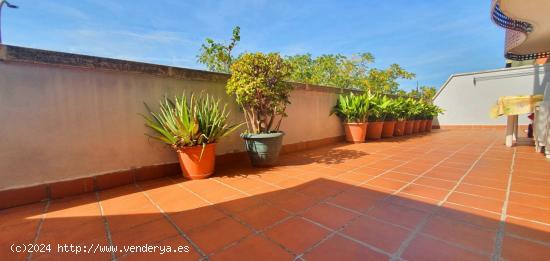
(191, 126)
(257, 81)
(353, 110)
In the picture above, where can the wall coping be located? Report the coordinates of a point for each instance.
(25, 55)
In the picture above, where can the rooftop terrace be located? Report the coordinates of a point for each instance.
(449, 195)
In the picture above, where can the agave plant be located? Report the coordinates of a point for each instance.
(352, 108)
(189, 121)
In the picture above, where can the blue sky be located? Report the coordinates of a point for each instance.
(432, 38)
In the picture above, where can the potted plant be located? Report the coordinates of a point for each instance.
(353, 110)
(400, 108)
(191, 126)
(416, 110)
(377, 107)
(410, 112)
(257, 82)
(390, 116)
(423, 116)
(433, 111)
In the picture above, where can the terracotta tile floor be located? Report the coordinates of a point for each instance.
(448, 195)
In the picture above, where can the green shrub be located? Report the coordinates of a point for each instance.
(257, 81)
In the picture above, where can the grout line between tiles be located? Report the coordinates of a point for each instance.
(420, 226)
(237, 219)
(299, 255)
(409, 229)
(459, 181)
(339, 232)
(361, 214)
(106, 225)
(39, 227)
(456, 245)
(169, 219)
(529, 220)
(501, 226)
(428, 170)
(544, 243)
(231, 187)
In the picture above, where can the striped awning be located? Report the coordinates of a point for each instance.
(527, 27)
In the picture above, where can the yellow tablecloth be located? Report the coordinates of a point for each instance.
(514, 105)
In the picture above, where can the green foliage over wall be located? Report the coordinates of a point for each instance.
(337, 70)
(425, 93)
(217, 56)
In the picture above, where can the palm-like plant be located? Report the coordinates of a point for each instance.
(189, 121)
(410, 109)
(352, 108)
(423, 109)
(432, 111)
(378, 106)
(390, 108)
(400, 108)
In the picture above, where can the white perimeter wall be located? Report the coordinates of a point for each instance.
(467, 98)
(63, 123)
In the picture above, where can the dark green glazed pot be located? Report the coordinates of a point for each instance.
(264, 148)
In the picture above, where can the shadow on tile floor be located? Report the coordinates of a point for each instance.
(311, 220)
(347, 202)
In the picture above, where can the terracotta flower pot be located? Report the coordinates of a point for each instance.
(374, 131)
(409, 124)
(399, 128)
(388, 129)
(422, 127)
(429, 125)
(355, 132)
(195, 167)
(416, 126)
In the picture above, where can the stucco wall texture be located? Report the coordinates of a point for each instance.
(467, 98)
(62, 123)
